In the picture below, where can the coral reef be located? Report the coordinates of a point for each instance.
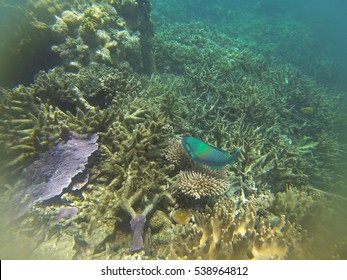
(131, 174)
(29, 126)
(241, 107)
(96, 35)
(39, 35)
(289, 41)
(94, 85)
(144, 197)
(99, 33)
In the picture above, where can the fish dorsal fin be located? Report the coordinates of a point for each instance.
(218, 149)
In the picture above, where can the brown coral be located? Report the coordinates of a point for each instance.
(228, 231)
(177, 155)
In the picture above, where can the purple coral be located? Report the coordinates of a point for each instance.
(53, 172)
(137, 223)
(66, 212)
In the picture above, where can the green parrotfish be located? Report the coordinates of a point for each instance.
(208, 154)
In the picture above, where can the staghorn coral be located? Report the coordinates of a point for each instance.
(28, 126)
(31, 126)
(254, 106)
(95, 85)
(131, 177)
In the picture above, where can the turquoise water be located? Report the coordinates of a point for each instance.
(96, 96)
(309, 35)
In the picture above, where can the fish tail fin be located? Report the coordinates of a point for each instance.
(235, 152)
(233, 155)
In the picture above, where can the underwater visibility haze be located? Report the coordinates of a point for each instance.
(186, 129)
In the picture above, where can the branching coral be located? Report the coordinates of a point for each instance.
(132, 177)
(229, 231)
(31, 126)
(257, 107)
(95, 85)
(28, 126)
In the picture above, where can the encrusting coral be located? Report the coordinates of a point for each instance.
(53, 172)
